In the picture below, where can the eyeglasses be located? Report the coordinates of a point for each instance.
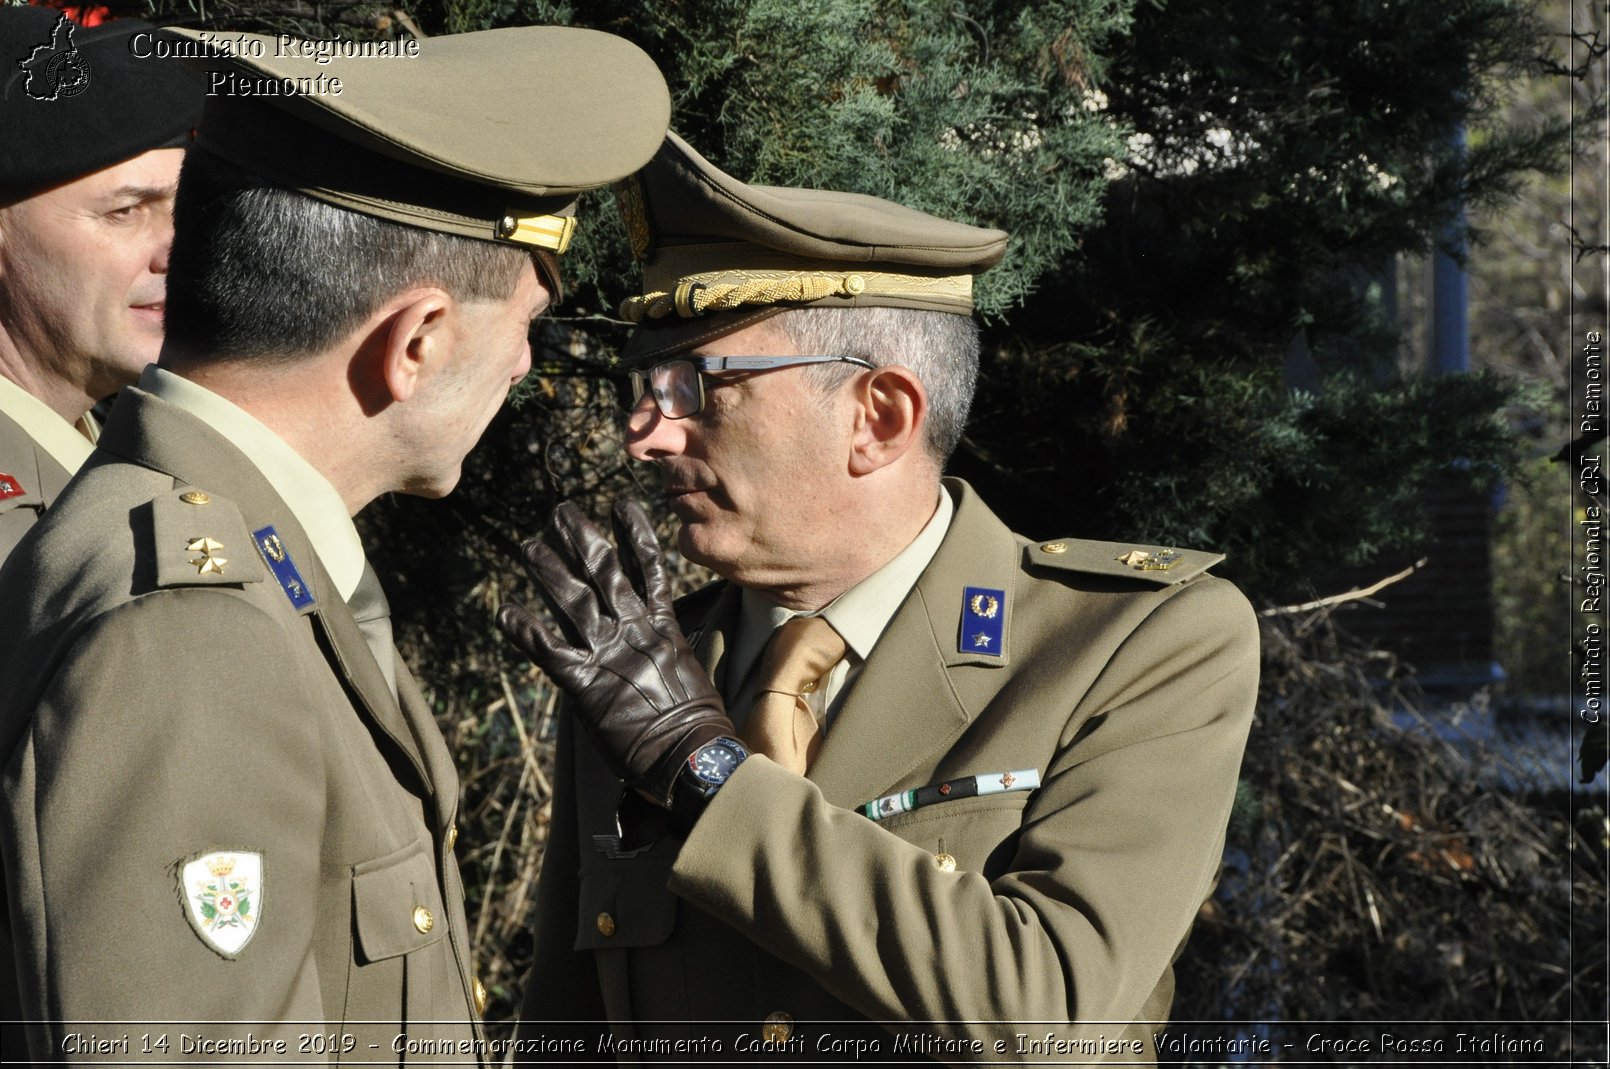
(678, 385)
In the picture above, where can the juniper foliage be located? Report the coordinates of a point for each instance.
(1280, 156)
(982, 112)
(1195, 193)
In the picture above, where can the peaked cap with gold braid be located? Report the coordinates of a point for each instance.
(719, 255)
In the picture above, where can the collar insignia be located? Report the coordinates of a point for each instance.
(279, 561)
(983, 624)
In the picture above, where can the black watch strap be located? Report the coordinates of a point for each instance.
(691, 794)
(687, 807)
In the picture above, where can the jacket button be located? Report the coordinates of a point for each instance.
(944, 862)
(480, 996)
(777, 1027)
(1054, 547)
(452, 836)
(606, 925)
(423, 920)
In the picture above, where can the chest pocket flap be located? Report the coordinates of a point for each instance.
(397, 903)
(624, 902)
(980, 834)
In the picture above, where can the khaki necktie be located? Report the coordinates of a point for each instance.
(372, 613)
(781, 724)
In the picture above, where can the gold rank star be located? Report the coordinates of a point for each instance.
(1145, 561)
(208, 561)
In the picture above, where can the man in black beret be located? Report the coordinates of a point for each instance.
(94, 137)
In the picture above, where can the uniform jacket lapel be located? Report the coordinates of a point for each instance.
(25, 460)
(919, 690)
(441, 777)
(151, 432)
(350, 656)
(713, 636)
(30, 479)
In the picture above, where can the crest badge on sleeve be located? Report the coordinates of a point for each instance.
(223, 897)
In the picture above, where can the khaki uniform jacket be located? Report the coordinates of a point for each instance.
(26, 467)
(1130, 692)
(154, 714)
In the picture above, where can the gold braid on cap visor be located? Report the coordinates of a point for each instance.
(697, 295)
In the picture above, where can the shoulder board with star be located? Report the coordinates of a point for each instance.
(200, 539)
(1160, 565)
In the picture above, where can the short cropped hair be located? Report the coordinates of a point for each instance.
(262, 272)
(940, 348)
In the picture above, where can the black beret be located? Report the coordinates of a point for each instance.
(74, 100)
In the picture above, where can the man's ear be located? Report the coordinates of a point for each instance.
(412, 339)
(891, 410)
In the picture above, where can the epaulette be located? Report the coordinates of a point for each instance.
(201, 540)
(1161, 565)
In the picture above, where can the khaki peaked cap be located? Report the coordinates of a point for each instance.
(719, 254)
(488, 135)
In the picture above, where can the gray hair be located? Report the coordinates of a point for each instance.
(940, 348)
(262, 272)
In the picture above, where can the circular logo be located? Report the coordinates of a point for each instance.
(67, 75)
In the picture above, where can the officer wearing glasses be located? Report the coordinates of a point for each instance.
(678, 385)
(910, 779)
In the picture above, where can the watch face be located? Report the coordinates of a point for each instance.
(714, 763)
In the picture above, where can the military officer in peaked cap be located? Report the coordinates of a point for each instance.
(924, 772)
(225, 800)
(93, 138)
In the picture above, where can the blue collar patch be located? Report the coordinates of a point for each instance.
(279, 561)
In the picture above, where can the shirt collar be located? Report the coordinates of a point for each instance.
(66, 444)
(861, 614)
(315, 503)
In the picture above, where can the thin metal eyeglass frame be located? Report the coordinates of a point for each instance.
(642, 380)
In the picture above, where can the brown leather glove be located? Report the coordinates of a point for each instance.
(631, 677)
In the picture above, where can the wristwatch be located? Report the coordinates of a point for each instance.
(706, 770)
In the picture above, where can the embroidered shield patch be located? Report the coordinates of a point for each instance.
(223, 897)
